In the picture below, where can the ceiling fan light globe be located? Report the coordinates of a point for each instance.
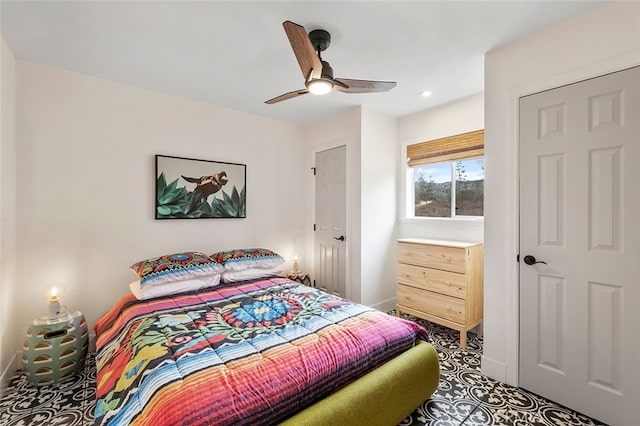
(319, 87)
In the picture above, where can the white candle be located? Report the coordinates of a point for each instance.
(53, 303)
(295, 263)
(54, 308)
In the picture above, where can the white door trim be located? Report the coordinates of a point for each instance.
(512, 247)
(331, 145)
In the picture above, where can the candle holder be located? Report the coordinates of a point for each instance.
(295, 263)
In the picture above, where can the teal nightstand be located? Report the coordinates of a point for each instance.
(55, 348)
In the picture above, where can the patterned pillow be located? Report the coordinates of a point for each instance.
(175, 267)
(240, 259)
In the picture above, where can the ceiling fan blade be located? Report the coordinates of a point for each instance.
(363, 86)
(306, 55)
(289, 95)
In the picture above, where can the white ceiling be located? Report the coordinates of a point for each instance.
(235, 54)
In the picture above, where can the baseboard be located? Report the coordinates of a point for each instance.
(92, 343)
(8, 372)
(385, 305)
(495, 369)
(18, 360)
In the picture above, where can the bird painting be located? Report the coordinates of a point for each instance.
(205, 186)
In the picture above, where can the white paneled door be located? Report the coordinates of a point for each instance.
(330, 226)
(580, 221)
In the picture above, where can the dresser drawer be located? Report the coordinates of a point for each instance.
(436, 304)
(430, 256)
(445, 282)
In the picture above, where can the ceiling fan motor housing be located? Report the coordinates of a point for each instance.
(320, 39)
(327, 71)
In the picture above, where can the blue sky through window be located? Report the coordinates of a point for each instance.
(441, 172)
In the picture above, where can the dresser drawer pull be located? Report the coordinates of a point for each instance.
(448, 308)
(449, 283)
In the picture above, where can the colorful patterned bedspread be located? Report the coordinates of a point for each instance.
(254, 353)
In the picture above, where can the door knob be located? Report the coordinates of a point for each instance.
(340, 238)
(530, 260)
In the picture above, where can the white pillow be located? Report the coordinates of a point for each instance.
(176, 287)
(251, 274)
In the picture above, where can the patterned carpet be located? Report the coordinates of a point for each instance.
(464, 397)
(69, 403)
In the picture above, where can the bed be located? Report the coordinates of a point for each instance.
(265, 351)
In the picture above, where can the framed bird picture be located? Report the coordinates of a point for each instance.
(187, 188)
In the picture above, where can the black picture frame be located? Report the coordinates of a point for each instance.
(190, 188)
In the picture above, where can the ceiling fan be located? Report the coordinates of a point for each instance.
(317, 73)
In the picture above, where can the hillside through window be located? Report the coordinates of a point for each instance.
(447, 176)
(449, 189)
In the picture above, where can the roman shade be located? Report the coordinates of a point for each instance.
(451, 148)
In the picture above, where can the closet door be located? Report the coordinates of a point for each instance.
(330, 227)
(580, 220)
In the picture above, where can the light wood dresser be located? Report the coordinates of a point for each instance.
(441, 281)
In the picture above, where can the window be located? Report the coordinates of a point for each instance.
(447, 177)
(434, 185)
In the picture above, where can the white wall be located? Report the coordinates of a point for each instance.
(461, 116)
(379, 190)
(600, 41)
(8, 285)
(86, 185)
(338, 130)
(370, 139)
